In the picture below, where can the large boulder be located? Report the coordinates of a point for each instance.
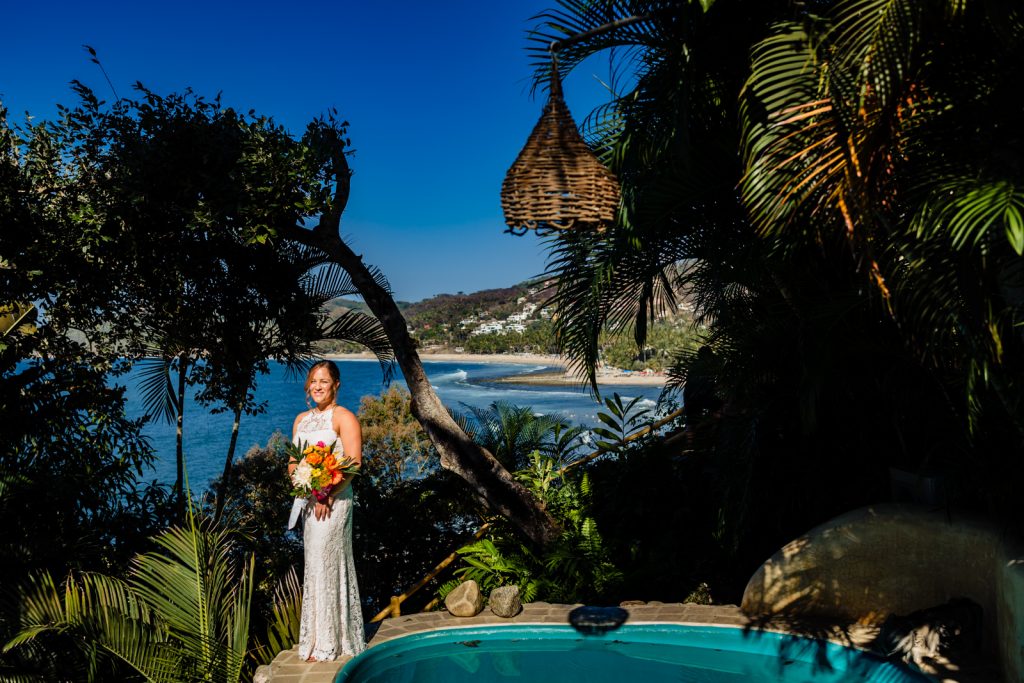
(877, 561)
(465, 600)
(505, 602)
(870, 564)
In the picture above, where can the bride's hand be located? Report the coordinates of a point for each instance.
(322, 510)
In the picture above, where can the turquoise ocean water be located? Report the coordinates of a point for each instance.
(457, 384)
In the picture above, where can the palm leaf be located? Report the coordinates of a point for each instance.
(366, 330)
(189, 583)
(283, 630)
(157, 389)
(328, 281)
(876, 41)
(969, 210)
(106, 614)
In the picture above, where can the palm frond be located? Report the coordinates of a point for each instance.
(875, 41)
(283, 629)
(189, 582)
(157, 388)
(608, 284)
(969, 210)
(107, 616)
(328, 281)
(366, 330)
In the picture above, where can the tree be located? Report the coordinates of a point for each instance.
(857, 289)
(182, 613)
(70, 459)
(179, 192)
(897, 141)
(395, 447)
(458, 453)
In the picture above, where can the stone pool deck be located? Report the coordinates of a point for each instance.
(286, 667)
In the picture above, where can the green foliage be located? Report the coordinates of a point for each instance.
(165, 209)
(664, 341)
(621, 420)
(575, 568)
(512, 433)
(283, 626)
(66, 446)
(182, 613)
(538, 337)
(860, 291)
(257, 505)
(146, 230)
(395, 447)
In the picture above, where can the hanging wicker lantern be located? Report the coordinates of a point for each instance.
(556, 182)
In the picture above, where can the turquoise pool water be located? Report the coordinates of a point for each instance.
(648, 653)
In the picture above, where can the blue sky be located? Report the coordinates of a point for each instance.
(437, 95)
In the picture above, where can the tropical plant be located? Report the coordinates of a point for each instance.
(621, 420)
(215, 298)
(866, 126)
(575, 568)
(286, 618)
(258, 499)
(182, 613)
(669, 134)
(395, 447)
(511, 433)
(857, 290)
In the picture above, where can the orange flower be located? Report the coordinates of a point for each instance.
(314, 458)
(329, 462)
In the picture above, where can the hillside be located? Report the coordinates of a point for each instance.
(515, 319)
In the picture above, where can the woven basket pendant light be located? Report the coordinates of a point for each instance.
(556, 182)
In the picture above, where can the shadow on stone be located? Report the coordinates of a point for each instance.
(594, 621)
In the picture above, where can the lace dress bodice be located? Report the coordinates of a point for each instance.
(332, 620)
(317, 426)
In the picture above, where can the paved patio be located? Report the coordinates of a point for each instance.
(286, 668)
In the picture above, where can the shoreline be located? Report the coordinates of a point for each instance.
(555, 374)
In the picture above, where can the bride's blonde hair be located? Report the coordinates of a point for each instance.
(332, 370)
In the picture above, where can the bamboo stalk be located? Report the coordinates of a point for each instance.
(394, 609)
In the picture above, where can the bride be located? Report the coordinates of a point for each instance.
(332, 621)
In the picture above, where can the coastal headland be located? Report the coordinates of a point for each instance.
(556, 373)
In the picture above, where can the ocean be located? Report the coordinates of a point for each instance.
(459, 385)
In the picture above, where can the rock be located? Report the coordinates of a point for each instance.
(505, 602)
(632, 603)
(465, 600)
(262, 674)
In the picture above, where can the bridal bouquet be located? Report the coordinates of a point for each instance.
(319, 469)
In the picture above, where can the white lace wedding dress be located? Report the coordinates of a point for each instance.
(332, 621)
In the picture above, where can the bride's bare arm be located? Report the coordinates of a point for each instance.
(291, 461)
(346, 426)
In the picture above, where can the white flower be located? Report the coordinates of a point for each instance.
(303, 475)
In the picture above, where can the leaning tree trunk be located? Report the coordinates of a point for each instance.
(459, 453)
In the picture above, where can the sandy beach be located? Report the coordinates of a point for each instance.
(556, 376)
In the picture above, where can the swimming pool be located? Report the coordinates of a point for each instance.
(651, 653)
